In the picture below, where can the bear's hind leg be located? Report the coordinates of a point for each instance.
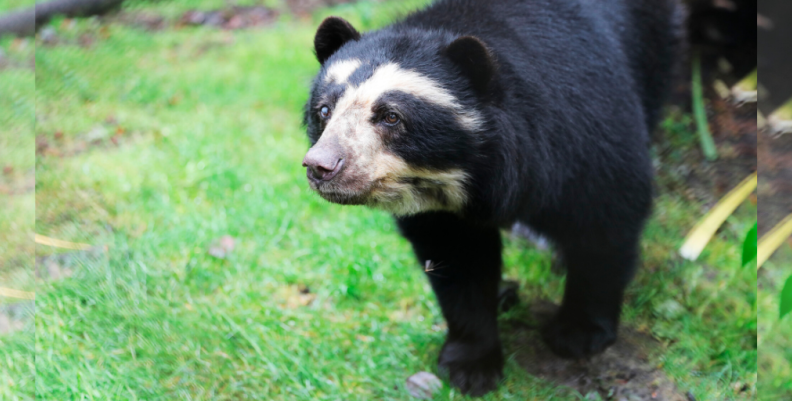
(587, 322)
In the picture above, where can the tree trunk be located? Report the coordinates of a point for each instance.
(25, 22)
(19, 23)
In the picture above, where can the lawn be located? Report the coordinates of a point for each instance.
(775, 336)
(17, 214)
(153, 145)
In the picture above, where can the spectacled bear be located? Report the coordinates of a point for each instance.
(471, 115)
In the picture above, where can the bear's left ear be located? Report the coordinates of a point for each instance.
(333, 32)
(475, 60)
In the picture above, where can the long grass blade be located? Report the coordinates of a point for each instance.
(749, 245)
(697, 92)
(770, 242)
(703, 231)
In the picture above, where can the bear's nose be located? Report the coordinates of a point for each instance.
(322, 164)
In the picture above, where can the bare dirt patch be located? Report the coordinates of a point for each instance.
(734, 131)
(305, 7)
(686, 171)
(229, 18)
(627, 371)
(775, 179)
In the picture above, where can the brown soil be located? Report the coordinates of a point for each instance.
(733, 129)
(627, 371)
(305, 7)
(775, 179)
(229, 18)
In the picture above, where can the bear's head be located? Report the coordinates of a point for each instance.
(395, 117)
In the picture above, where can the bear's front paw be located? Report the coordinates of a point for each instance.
(474, 369)
(578, 338)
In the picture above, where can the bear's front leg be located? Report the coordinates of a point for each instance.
(463, 264)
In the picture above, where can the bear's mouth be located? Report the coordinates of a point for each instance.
(340, 194)
(343, 198)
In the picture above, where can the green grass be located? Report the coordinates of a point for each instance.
(17, 161)
(13, 5)
(17, 210)
(775, 336)
(172, 139)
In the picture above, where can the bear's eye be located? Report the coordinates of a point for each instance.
(391, 118)
(324, 112)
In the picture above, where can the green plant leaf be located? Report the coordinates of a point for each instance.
(786, 298)
(749, 246)
(700, 113)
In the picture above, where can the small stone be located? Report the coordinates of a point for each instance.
(423, 385)
(48, 36)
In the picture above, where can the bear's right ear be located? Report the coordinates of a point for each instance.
(333, 32)
(475, 60)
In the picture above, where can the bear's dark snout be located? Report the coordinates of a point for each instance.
(323, 164)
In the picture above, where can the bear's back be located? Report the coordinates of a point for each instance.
(570, 44)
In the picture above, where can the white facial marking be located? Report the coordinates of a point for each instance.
(395, 194)
(391, 183)
(339, 72)
(391, 77)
